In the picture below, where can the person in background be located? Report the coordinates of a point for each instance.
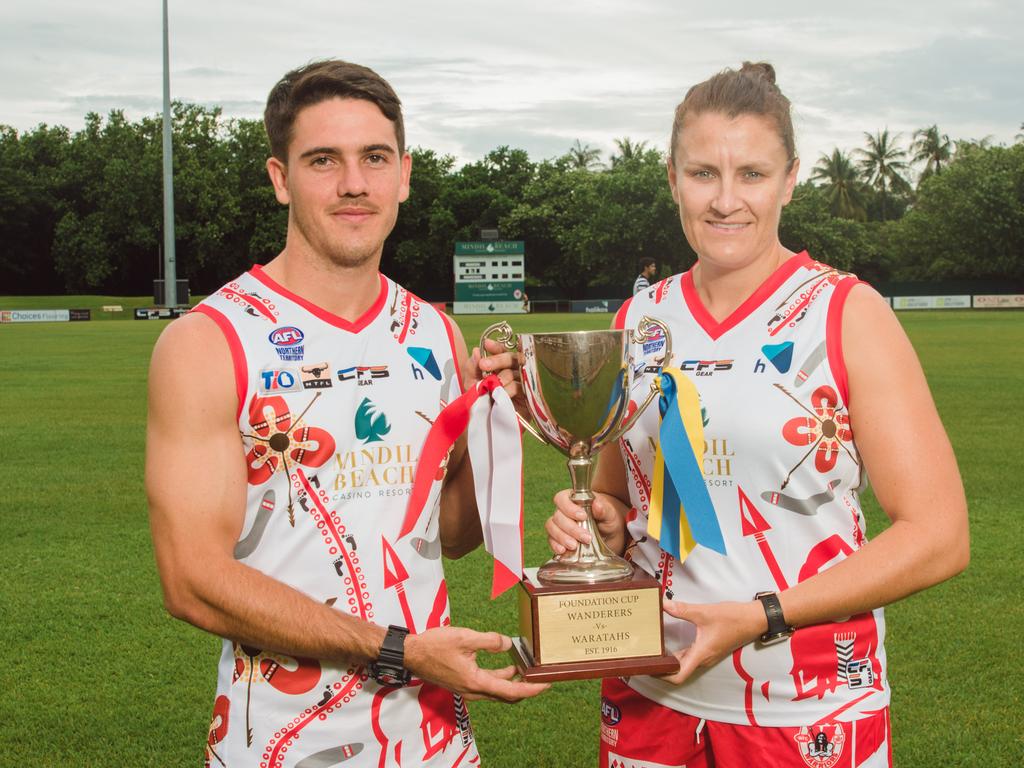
(648, 269)
(807, 387)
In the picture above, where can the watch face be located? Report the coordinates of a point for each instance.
(387, 675)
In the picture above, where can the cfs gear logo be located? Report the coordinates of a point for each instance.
(706, 367)
(274, 381)
(425, 358)
(821, 746)
(363, 375)
(288, 342)
(313, 376)
(370, 423)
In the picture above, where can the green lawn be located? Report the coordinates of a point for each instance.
(94, 673)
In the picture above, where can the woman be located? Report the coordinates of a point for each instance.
(808, 386)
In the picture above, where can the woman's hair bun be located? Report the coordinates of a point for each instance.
(760, 69)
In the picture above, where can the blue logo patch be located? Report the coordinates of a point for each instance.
(779, 355)
(288, 342)
(277, 380)
(425, 357)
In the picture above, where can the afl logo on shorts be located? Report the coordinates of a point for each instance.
(288, 342)
(610, 714)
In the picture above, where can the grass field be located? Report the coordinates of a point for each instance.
(94, 673)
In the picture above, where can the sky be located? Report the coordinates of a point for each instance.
(537, 75)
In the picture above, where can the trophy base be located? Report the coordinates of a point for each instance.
(532, 672)
(580, 631)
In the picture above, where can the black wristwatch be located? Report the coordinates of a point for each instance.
(389, 668)
(778, 629)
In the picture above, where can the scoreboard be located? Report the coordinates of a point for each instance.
(490, 277)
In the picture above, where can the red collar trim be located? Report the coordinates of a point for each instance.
(715, 329)
(328, 317)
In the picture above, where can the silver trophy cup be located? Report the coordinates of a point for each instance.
(577, 387)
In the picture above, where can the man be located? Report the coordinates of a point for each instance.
(648, 268)
(285, 418)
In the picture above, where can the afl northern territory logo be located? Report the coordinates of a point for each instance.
(288, 342)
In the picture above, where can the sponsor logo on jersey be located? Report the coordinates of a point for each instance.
(316, 376)
(706, 367)
(859, 674)
(274, 381)
(363, 375)
(370, 423)
(779, 355)
(288, 342)
(425, 358)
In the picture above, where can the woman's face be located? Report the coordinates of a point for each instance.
(730, 180)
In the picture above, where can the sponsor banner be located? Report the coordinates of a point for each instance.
(1002, 301)
(488, 308)
(161, 313)
(931, 302)
(596, 305)
(35, 315)
(490, 248)
(77, 315)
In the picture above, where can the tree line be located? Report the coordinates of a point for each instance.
(81, 212)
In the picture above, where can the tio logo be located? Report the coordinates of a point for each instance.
(278, 380)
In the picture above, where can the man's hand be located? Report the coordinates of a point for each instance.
(505, 365)
(564, 530)
(446, 656)
(721, 629)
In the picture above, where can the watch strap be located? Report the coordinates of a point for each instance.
(778, 629)
(389, 666)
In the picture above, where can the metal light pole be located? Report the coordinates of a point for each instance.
(170, 274)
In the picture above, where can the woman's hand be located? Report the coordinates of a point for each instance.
(721, 629)
(565, 532)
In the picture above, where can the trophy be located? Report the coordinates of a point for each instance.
(586, 613)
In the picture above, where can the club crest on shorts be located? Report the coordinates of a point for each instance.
(821, 746)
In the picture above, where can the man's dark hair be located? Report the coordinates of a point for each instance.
(319, 81)
(645, 262)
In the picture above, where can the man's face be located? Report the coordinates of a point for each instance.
(731, 177)
(343, 181)
(649, 270)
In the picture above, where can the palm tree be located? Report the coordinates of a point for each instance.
(629, 151)
(842, 185)
(882, 164)
(932, 148)
(1020, 136)
(584, 156)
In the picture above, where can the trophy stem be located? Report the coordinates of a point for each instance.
(591, 563)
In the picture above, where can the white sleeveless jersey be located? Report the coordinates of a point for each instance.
(783, 472)
(333, 415)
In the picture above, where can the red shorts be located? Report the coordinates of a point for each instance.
(639, 733)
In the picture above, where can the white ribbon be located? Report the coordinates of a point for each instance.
(496, 454)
